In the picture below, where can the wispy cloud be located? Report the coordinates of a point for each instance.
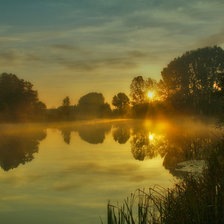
(113, 39)
(214, 39)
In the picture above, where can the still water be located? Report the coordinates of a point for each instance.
(66, 173)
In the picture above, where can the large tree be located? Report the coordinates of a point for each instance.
(140, 89)
(137, 89)
(193, 80)
(18, 100)
(121, 102)
(92, 105)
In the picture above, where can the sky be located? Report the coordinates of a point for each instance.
(72, 47)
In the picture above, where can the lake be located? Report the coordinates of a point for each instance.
(67, 172)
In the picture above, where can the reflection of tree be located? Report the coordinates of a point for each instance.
(139, 147)
(18, 149)
(93, 134)
(121, 134)
(174, 147)
(142, 147)
(184, 147)
(66, 134)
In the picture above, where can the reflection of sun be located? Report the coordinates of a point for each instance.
(150, 137)
(150, 94)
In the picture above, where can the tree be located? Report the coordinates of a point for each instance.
(147, 96)
(65, 110)
(192, 80)
(150, 84)
(66, 102)
(140, 90)
(92, 105)
(121, 102)
(18, 100)
(137, 90)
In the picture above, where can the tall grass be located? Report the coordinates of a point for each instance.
(194, 200)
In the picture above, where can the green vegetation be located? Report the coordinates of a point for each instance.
(195, 199)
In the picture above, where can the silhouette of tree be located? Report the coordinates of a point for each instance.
(66, 109)
(137, 90)
(162, 90)
(66, 102)
(121, 102)
(19, 148)
(148, 97)
(18, 101)
(92, 105)
(151, 85)
(192, 80)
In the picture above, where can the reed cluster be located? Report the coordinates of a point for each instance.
(193, 200)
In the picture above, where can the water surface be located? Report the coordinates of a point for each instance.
(67, 172)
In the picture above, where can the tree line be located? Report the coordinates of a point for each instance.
(191, 84)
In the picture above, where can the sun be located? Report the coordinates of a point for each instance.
(150, 94)
(150, 137)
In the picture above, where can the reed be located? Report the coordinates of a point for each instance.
(193, 200)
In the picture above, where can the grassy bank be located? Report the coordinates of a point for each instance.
(194, 200)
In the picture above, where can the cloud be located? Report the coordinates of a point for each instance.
(106, 169)
(9, 39)
(91, 65)
(96, 40)
(71, 48)
(214, 39)
(85, 62)
(9, 57)
(15, 57)
(67, 187)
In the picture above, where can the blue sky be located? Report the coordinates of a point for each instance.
(71, 47)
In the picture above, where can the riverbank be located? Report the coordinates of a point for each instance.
(194, 199)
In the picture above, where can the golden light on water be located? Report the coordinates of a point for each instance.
(150, 94)
(150, 137)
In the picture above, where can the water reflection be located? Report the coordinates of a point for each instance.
(16, 149)
(121, 134)
(103, 160)
(94, 134)
(66, 134)
(185, 146)
(173, 143)
(91, 133)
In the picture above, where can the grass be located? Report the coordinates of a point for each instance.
(193, 200)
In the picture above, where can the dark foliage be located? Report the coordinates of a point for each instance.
(193, 81)
(18, 100)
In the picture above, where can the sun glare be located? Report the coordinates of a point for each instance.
(150, 137)
(150, 94)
